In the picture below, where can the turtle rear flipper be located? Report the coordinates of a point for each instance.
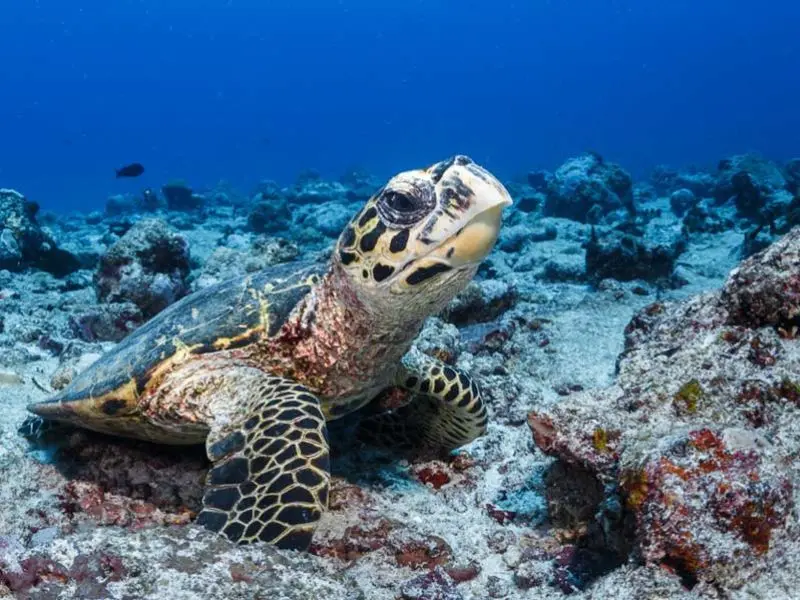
(270, 477)
(445, 412)
(38, 430)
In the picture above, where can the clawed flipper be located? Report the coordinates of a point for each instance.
(270, 477)
(38, 430)
(446, 411)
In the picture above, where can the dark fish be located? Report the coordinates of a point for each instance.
(132, 170)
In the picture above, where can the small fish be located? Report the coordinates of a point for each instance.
(132, 170)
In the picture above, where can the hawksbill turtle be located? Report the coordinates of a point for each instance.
(255, 366)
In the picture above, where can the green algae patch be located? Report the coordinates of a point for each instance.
(600, 439)
(687, 398)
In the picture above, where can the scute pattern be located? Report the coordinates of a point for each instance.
(269, 482)
(229, 314)
(446, 412)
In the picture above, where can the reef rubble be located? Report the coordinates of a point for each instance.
(636, 342)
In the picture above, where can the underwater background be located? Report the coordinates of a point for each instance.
(634, 329)
(240, 90)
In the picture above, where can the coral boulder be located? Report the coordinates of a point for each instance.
(700, 431)
(147, 266)
(23, 243)
(586, 182)
(765, 289)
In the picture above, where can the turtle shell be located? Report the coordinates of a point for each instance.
(226, 315)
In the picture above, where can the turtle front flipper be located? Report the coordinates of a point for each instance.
(270, 477)
(446, 410)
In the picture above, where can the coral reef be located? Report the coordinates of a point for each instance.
(227, 261)
(130, 204)
(641, 383)
(148, 266)
(667, 181)
(682, 200)
(765, 289)
(587, 188)
(269, 214)
(703, 218)
(23, 243)
(109, 322)
(751, 181)
(699, 428)
(622, 256)
(179, 196)
(168, 562)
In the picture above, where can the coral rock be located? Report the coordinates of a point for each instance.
(706, 503)
(681, 201)
(23, 243)
(703, 218)
(226, 262)
(269, 214)
(700, 425)
(119, 205)
(405, 548)
(433, 585)
(626, 257)
(148, 266)
(480, 302)
(166, 563)
(179, 196)
(765, 289)
(666, 180)
(750, 180)
(585, 182)
(107, 322)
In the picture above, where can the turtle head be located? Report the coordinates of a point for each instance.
(420, 238)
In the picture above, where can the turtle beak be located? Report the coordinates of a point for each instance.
(472, 202)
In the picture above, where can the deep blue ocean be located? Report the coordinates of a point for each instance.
(244, 90)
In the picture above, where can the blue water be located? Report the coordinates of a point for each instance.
(248, 89)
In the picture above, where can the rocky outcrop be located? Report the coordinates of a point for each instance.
(269, 214)
(750, 180)
(705, 218)
(480, 302)
(120, 204)
(225, 262)
(110, 322)
(666, 180)
(179, 196)
(24, 244)
(764, 291)
(623, 256)
(682, 200)
(700, 430)
(310, 188)
(587, 188)
(147, 266)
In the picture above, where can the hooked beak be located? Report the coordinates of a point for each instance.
(477, 200)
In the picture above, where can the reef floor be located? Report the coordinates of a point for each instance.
(636, 344)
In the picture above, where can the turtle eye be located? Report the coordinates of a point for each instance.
(399, 202)
(406, 203)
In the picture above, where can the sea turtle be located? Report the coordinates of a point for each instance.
(256, 365)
